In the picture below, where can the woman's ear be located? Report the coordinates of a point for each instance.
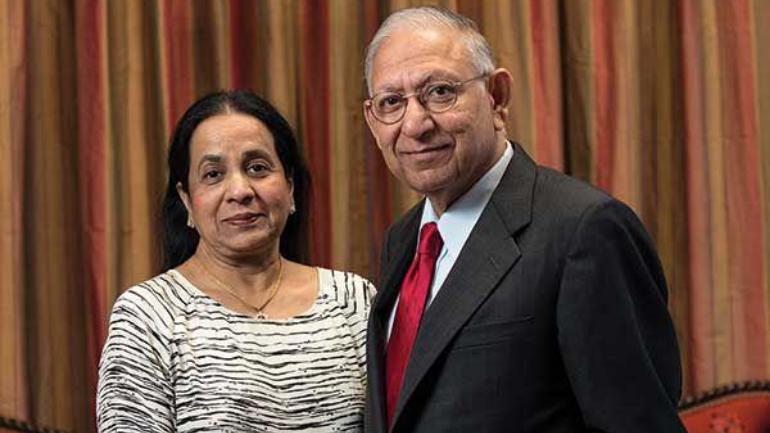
(185, 197)
(293, 206)
(500, 86)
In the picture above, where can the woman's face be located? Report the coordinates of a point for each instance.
(239, 198)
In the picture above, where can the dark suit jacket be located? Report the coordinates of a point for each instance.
(553, 319)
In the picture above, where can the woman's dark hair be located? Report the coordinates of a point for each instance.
(180, 241)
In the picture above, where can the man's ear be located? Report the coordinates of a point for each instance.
(370, 121)
(500, 86)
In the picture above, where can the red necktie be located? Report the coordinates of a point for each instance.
(414, 293)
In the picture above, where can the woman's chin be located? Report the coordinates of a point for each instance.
(251, 245)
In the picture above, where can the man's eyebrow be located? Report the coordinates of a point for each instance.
(388, 88)
(425, 79)
(439, 75)
(421, 82)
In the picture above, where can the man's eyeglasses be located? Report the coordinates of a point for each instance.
(436, 97)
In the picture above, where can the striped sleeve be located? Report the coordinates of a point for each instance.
(357, 300)
(134, 392)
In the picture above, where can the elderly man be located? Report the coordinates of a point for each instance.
(512, 298)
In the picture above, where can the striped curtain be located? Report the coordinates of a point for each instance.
(663, 103)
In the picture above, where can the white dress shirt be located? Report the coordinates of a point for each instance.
(457, 222)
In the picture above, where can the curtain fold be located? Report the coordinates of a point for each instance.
(13, 102)
(664, 104)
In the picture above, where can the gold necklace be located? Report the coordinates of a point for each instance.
(259, 309)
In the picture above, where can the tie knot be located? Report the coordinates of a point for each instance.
(430, 240)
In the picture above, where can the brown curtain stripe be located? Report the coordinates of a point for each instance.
(92, 136)
(315, 98)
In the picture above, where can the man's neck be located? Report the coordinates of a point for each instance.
(441, 200)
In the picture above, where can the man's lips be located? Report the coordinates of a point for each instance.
(428, 155)
(427, 150)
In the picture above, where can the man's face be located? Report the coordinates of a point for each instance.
(437, 154)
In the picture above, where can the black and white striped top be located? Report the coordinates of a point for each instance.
(177, 360)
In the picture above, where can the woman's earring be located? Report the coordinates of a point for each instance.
(190, 222)
(292, 209)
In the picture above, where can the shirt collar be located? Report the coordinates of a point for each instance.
(458, 220)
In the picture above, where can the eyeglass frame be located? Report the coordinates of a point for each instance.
(456, 85)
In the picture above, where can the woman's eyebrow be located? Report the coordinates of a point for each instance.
(256, 153)
(209, 158)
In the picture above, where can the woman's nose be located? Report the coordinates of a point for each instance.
(239, 188)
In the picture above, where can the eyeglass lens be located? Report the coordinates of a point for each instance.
(436, 97)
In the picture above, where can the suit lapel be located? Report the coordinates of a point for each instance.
(403, 239)
(488, 254)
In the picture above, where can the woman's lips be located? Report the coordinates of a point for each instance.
(243, 219)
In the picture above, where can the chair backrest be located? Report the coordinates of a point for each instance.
(737, 408)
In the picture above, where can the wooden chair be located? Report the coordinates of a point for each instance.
(736, 408)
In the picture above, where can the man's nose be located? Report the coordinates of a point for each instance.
(417, 119)
(239, 189)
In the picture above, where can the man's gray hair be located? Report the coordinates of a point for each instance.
(426, 17)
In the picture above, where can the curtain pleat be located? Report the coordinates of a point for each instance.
(761, 46)
(13, 103)
(314, 122)
(662, 103)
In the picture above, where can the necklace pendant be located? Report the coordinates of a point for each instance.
(260, 316)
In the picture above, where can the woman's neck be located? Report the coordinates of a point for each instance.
(245, 275)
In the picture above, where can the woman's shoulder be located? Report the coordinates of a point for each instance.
(159, 297)
(344, 277)
(345, 281)
(351, 290)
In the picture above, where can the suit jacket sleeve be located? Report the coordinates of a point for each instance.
(384, 257)
(615, 333)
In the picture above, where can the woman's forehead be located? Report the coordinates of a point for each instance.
(231, 132)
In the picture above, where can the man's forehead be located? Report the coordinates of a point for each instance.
(417, 56)
(416, 79)
(414, 42)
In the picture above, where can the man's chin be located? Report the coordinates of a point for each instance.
(429, 183)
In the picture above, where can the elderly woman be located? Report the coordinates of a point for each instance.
(235, 335)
